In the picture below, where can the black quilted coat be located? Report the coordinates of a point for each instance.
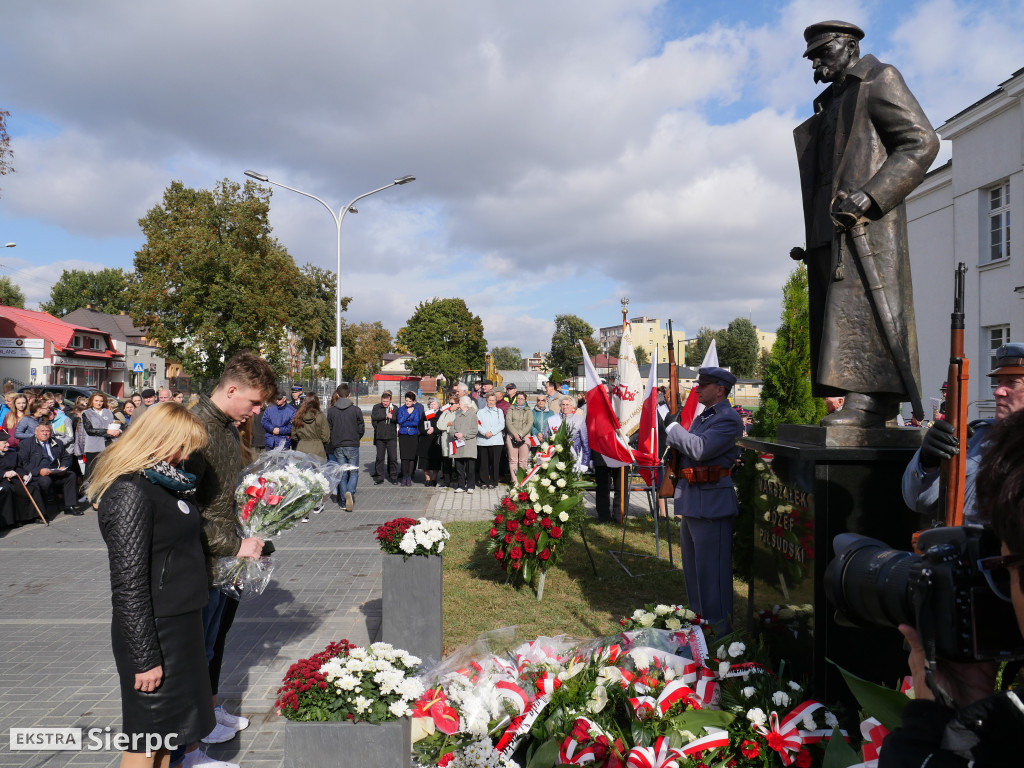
(156, 561)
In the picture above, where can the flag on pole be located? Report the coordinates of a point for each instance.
(648, 438)
(602, 424)
(693, 407)
(627, 396)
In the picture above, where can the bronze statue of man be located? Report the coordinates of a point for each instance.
(866, 148)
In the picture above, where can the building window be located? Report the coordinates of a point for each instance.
(76, 342)
(994, 337)
(999, 222)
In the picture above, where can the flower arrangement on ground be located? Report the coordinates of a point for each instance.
(406, 536)
(534, 521)
(348, 682)
(276, 491)
(555, 701)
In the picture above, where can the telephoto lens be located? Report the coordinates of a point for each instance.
(868, 582)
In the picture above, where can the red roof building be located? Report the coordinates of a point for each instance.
(37, 348)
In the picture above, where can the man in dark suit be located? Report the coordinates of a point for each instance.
(866, 148)
(50, 466)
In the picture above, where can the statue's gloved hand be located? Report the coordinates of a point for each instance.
(854, 204)
(939, 443)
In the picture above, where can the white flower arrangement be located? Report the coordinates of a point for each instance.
(375, 683)
(425, 538)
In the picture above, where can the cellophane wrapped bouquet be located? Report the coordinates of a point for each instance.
(276, 491)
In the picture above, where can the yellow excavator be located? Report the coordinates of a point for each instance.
(469, 378)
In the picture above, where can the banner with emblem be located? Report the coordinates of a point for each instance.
(628, 393)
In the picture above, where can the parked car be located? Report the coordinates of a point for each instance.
(70, 393)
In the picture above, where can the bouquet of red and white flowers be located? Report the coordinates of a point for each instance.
(276, 491)
(405, 536)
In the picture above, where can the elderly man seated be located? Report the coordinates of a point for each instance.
(49, 465)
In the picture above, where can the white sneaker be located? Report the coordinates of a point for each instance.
(459, 490)
(199, 759)
(305, 519)
(318, 508)
(469, 490)
(225, 718)
(219, 734)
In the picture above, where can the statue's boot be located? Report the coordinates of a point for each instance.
(863, 411)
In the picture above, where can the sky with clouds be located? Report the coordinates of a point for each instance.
(567, 153)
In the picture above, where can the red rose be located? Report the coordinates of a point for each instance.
(516, 565)
(530, 514)
(499, 554)
(803, 759)
(499, 519)
(494, 533)
(511, 525)
(544, 554)
(523, 496)
(546, 522)
(580, 731)
(530, 545)
(556, 532)
(508, 538)
(778, 530)
(520, 537)
(515, 553)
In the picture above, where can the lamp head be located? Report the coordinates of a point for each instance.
(257, 176)
(405, 180)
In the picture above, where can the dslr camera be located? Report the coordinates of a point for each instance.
(942, 592)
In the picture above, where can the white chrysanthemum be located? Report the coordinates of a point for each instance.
(362, 704)
(399, 709)
(747, 692)
(780, 699)
(640, 658)
(407, 544)
(757, 716)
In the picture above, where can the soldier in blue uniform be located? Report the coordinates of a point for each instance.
(706, 499)
(921, 478)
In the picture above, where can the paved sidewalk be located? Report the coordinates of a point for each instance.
(56, 667)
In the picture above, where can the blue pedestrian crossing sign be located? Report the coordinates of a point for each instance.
(136, 367)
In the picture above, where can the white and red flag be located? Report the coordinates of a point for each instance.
(693, 407)
(602, 424)
(647, 442)
(627, 396)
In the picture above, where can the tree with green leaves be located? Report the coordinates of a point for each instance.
(786, 392)
(642, 356)
(313, 312)
(364, 346)
(105, 290)
(444, 337)
(507, 358)
(210, 280)
(10, 294)
(738, 348)
(698, 346)
(565, 355)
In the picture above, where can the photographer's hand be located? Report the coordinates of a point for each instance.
(966, 683)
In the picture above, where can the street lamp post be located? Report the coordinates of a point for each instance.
(338, 219)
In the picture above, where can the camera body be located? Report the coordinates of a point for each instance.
(941, 592)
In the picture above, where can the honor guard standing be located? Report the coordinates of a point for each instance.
(706, 499)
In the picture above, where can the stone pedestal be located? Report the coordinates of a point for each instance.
(411, 612)
(817, 483)
(347, 745)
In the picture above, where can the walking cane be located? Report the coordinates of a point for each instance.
(29, 494)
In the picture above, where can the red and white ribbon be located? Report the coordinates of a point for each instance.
(674, 692)
(713, 740)
(511, 693)
(548, 683)
(661, 755)
(783, 737)
(873, 733)
(573, 752)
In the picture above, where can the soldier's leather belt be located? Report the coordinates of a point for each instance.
(698, 475)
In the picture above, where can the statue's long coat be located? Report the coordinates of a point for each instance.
(870, 135)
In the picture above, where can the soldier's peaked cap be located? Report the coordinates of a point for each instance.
(1009, 360)
(818, 34)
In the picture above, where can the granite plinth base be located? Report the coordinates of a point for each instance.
(347, 745)
(411, 612)
(815, 491)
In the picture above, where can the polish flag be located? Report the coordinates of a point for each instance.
(648, 437)
(602, 424)
(693, 407)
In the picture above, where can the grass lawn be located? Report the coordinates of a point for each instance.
(576, 602)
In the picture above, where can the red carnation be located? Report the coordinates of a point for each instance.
(445, 760)
(511, 525)
(515, 553)
(775, 741)
(530, 545)
(544, 554)
(523, 496)
(546, 522)
(556, 532)
(803, 759)
(750, 749)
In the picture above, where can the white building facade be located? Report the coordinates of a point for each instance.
(963, 213)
